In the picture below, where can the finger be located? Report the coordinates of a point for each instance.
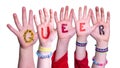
(36, 22)
(74, 17)
(41, 16)
(89, 14)
(93, 17)
(66, 13)
(61, 14)
(102, 15)
(17, 22)
(13, 30)
(55, 16)
(35, 19)
(24, 17)
(71, 15)
(97, 14)
(79, 13)
(108, 17)
(85, 12)
(51, 15)
(31, 17)
(46, 15)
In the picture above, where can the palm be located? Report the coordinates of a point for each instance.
(26, 34)
(97, 35)
(69, 27)
(51, 36)
(87, 28)
(30, 39)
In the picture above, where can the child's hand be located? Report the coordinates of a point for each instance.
(64, 25)
(46, 31)
(26, 34)
(102, 33)
(82, 25)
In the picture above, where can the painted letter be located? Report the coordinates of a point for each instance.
(48, 33)
(63, 28)
(81, 26)
(101, 27)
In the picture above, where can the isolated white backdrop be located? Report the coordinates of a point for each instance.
(9, 46)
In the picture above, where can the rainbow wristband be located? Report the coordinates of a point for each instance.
(41, 56)
(99, 64)
(43, 49)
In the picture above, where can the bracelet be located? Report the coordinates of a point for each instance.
(43, 49)
(43, 56)
(81, 44)
(101, 50)
(99, 64)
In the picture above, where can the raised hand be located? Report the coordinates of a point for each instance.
(46, 30)
(25, 34)
(102, 33)
(65, 29)
(82, 25)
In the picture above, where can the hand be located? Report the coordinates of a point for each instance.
(46, 31)
(104, 37)
(25, 34)
(82, 25)
(64, 25)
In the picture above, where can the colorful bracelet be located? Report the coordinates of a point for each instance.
(81, 44)
(44, 49)
(101, 50)
(43, 56)
(99, 64)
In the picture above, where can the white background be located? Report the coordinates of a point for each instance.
(9, 46)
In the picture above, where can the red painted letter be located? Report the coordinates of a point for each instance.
(81, 26)
(63, 28)
(48, 33)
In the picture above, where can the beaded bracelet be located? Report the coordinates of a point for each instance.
(43, 56)
(81, 44)
(101, 50)
(44, 49)
(99, 64)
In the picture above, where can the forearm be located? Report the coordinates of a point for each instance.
(45, 61)
(100, 57)
(26, 58)
(81, 51)
(61, 49)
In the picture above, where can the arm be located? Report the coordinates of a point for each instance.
(46, 33)
(101, 35)
(26, 37)
(83, 30)
(65, 33)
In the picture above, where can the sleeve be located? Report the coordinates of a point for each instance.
(81, 63)
(61, 63)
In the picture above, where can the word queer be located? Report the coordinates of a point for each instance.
(64, 30)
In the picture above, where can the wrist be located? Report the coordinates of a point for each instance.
(26, 53)
(102, 44)
(81, 39)
(47, 44)
(26, 50)
(63, 40)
